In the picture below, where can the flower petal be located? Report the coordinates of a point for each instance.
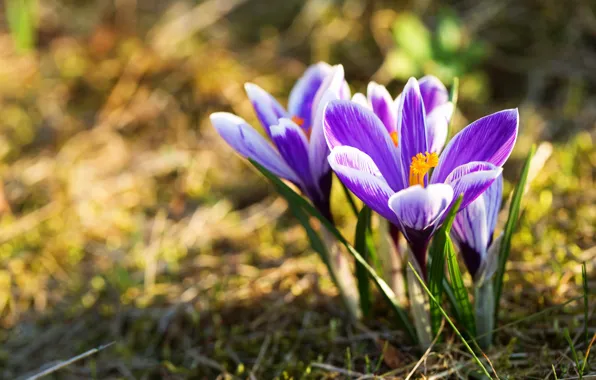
(473, 227)
(493, 196)
(302, 96)
(318, 149)
(411, 126)
(250, 144)
(437, 127)
(268, 109)
(489, 139)
(382, 105)
(347, 123)
(360, 99)
(293, 147)
(472, 179)
(360, 174)
(418, 207)
(434, 93)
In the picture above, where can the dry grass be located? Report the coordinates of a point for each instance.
(124, 218)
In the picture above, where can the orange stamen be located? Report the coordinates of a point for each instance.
(298, 120)
(421, 164)
(394, 138)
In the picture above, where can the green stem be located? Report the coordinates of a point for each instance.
(420, 309)
(484, 304)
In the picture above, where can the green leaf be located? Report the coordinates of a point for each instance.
(439, 249)
(360, 244)
(412, 37)
(22, 22)
(349, 198)
(383, 287)
(509, 229)
(450, 35)
(435, 301)
(463, 304)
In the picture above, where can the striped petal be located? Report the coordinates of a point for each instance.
(349, 124)
(268, 109)
(381, 103)
(250, 144)
(490, 139)
(293, 147)
(301, 100)
(361, 176)
(433, 91)
(411, 127)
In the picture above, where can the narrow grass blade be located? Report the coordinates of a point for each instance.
(453, 97)
(68, 362)
(434, 300)
(21, 18)
(385, 289)
(451, 298)
(463, 304)
(573, 351)
(514, 209)
(586, 290)
(362, 230)
(437, 253)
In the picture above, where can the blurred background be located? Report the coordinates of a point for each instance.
(125, 218)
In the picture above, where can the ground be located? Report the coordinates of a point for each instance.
(125, 220)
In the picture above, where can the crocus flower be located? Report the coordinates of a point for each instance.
(392, 175)
(299, 150)
(473, 230)
(438, 109)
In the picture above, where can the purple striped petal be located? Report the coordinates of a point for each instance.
(411, 126)
(359, 173)
(473, 227)
(419, 211)
(318, 149)
(418, 207)
(382, 105)
(268, 109)
(472, 179)
(489, 139)
(250, 144)
(437, 127)
(434, 93)
(293, 147)
(494, 197)
(302, 96)
(347, 123)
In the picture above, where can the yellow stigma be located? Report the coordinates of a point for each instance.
(421, 164)
(393, 136)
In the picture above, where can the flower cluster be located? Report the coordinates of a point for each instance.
(393, 155)
(389, 152)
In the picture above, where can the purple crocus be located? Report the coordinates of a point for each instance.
(392, 176)
(473, 230)
(438, 109)
(299, 151)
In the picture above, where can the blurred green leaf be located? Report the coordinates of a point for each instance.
(412, 36)
(449, 33)
(21, 16)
